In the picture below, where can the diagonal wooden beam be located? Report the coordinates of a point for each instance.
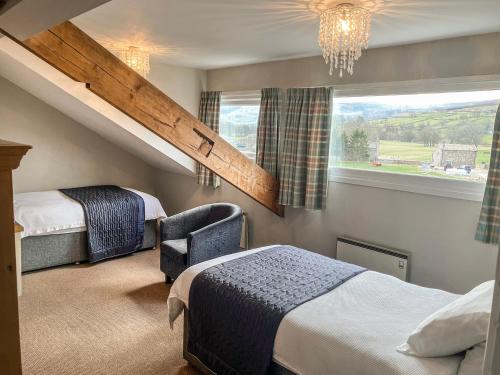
(74, 53)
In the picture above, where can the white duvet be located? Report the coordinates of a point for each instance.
(52, 212)
(354, 329)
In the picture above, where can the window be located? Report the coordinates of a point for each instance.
(445, 134)
(239, 115)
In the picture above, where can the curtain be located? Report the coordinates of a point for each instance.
(488, 228)
(268, 130)
(304, 156)
(209, 114)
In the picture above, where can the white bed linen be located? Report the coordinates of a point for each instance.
(354, 329)
(52, 212)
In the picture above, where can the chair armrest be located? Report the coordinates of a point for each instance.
(215, 240)
(178, 226)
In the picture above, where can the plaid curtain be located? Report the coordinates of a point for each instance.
(268, 130)
(209, 115)
(488, 228)
(304, 157)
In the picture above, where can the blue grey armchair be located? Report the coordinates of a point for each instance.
(198, 235)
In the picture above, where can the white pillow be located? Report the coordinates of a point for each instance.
(473, 361)
(455, 327)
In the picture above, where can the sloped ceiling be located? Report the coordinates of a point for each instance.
(7, 4)
(218, 33)
(24, 18)
(72, 98)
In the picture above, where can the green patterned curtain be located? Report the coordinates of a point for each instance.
(488, 228)
(209, 114)
(306, 140)
(268, 130)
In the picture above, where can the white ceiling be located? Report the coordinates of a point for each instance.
(217, 33)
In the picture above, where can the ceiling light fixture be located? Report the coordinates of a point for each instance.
(136, 58)
(343, 33)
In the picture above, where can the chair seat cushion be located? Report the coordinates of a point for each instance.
(175, 248)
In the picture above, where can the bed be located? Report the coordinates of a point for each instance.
(55, 231)
(353, 329)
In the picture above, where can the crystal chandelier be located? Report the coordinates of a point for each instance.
(136, 58)
(343, 33)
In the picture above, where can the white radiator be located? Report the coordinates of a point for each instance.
(373, 257)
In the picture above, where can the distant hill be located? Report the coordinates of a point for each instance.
(465, 123)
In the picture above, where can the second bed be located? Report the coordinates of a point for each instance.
(55, 232)
(352, 329)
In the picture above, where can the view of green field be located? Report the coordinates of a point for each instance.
(400, 134)
(405, 151)
(410, 151)
(416, 151)
(395, 168)
(483, 155)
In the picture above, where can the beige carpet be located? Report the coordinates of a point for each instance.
(107, 318)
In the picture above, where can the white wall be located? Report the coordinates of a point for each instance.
(437, 232)
(466, 56)
(183, 85)
(65, 153)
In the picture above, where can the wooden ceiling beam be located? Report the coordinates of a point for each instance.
(74, 53)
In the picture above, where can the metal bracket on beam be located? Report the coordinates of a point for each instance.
(206, 143)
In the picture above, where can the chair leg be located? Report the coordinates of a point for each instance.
(168, 279)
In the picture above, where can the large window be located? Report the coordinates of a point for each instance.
(446, 135)
(239, 115)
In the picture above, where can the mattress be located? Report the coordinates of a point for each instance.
(52, 212)
(353, 329)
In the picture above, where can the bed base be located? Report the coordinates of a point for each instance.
(194, 361)
(39, 252)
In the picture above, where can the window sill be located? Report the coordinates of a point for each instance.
(441, 187)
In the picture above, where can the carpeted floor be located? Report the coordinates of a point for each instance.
(108, 318)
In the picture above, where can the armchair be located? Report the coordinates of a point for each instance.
(198, 235)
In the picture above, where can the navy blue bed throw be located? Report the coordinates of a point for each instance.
(114, 218)
(235, 308)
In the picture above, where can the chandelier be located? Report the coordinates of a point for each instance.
(136, 58)
(343, 33)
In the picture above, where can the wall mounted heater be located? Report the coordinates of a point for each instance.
(375, 258)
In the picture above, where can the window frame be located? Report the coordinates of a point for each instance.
(249, 97)
(427, 185)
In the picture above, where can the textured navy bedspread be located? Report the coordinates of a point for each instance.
(235, 307)
(114, 218)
